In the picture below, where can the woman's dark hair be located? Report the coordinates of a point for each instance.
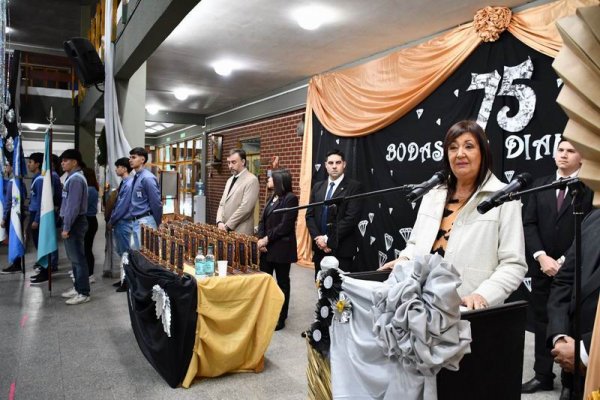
(456, 130)
(90, 177)
(56, 164)
(282, 182)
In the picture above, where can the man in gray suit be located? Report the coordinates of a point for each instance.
(236, 208)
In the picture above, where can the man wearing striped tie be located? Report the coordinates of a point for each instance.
(334, 235)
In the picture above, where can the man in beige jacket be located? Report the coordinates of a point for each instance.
(236, 208)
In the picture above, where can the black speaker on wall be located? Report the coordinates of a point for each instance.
(90, 69)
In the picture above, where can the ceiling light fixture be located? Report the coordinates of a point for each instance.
(152, 109)
(224, 67)
(313, 16)
(33, 127)
(8, 30)
(181, 94)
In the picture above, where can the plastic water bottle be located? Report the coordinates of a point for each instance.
(200, 188)
(209, 264)
(200, 262)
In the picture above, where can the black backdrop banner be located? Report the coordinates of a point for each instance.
(509, 88)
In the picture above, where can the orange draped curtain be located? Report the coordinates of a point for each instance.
(360, 100)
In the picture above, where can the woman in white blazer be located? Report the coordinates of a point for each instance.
(487, 250)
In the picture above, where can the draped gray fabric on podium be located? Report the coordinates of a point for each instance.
(401, 334)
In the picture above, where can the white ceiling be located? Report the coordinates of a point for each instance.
(273, 51)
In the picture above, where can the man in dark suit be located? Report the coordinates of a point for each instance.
(561, 303)
(549, 231)
(334, 236)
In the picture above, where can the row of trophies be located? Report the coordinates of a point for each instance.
(176, 243)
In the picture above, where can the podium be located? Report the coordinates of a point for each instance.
(494, 368)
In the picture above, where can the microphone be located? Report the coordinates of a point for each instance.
(421, 189)
(521, 181)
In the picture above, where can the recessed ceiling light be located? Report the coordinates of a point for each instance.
(8, 30)
(313, 16)
(224, 67)
(181, 94)
(33, 127)
(152, 109)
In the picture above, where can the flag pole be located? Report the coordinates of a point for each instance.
(49, 257)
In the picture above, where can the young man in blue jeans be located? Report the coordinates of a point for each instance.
(120, 218)
(75, 225)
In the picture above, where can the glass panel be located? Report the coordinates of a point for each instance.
(185, 205)
(169, 207)
(182, 151)
(161, 154)
(190, 149)
(189, 177)
(174, 152)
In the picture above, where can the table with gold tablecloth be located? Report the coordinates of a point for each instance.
(237, 315)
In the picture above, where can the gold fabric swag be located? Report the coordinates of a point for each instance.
(361, 100)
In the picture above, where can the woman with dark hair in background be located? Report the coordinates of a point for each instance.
(277, 233)
(487, 250)
(92, 210)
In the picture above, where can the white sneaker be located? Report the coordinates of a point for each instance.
(92, 279)
(71, 274)
(79, 299)
(69, 294)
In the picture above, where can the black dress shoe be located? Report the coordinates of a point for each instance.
(280, 325)
(565, 394)
(117, 284)
(123, 288)
(534, 385)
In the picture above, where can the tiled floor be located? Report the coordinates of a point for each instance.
(53, 351)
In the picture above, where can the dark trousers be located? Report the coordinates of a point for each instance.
(540, 290)
(282, 274)
(88, 243)
(35, 234)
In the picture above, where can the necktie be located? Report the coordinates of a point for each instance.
(560, 198)
(326, 209)
(232, 183)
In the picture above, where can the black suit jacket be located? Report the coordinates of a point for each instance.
(280, 229)
(561, 303)
(547, 228)
(342, 233)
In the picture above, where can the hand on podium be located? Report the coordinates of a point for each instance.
(474, 302)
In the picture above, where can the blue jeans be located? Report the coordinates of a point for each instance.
(148, 221)
(122, 234)
(74, 247)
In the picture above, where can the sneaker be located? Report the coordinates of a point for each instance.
(69, 294)
(39, 279)
(79, 299)
(11, 269)
(71, 275)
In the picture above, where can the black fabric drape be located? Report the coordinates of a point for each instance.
(170, 356)
(410, 150)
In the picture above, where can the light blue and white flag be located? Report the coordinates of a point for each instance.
(15, 237)
(47, 229)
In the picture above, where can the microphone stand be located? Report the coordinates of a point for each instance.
(576, 189)
(334, 202)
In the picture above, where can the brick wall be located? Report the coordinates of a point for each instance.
(278, 137)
